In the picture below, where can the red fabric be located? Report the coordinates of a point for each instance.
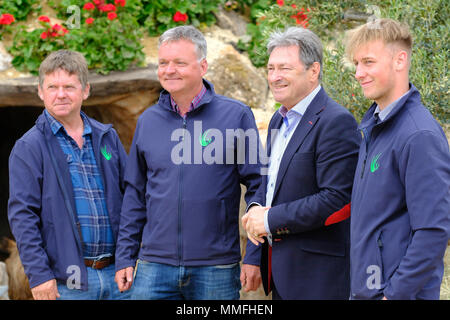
(339, 215)
(270, 269)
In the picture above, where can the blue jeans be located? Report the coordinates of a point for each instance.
(155, 281)
(101, 286)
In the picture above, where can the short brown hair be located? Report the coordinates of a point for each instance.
(70, 61)
(387, 30)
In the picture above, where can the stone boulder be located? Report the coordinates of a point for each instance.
(5, 58)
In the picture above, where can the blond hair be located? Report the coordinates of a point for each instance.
(387, 30)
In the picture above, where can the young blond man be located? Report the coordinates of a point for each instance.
(400, 200)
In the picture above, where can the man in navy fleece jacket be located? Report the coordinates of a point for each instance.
(401, 199)
(180, 213)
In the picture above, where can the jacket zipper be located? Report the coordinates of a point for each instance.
(180, 202)
(363, 166)
(70, 209)
(367, 139)
(99, 162)
(366, 152)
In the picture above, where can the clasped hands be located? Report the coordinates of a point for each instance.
(253, 223)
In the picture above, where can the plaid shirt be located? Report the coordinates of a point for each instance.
(194, 104)
(88, 190)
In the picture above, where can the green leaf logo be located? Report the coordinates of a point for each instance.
(374, 165)
(203, 140)
(105, 153)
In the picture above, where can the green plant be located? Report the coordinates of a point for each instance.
(30, 48)
(159, 15)
(266, 16)
(6, 20)
(19, 8)
(108, 36)
(156, 16)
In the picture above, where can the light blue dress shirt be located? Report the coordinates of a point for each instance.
(382, 114)
(291, 119)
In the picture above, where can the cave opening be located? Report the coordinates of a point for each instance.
(14, 122)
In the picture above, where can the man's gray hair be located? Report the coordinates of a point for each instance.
(188, 33)
(70, 61)
(309, 44)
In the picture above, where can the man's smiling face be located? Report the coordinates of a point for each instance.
(288, 78)
(375, 71)
(179, 70)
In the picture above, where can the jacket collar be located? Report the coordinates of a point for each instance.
(164, 96)
(42, 123)
(412, 95)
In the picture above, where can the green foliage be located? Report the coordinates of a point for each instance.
(29, 49)
(429, 24)
(160, 15)
(108, 32)
(19, 8)
(253, 42)
(107, 42)
(156, 16)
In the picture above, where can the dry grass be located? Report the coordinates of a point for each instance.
(445, 287)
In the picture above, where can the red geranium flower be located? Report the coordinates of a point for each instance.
(180, 17)
(89, 20)
(56, 31)
(301, 18)
(44, 35)
(89, 6)
(7, 18)
(44, 19)
(280, 3)
(120, 3)
(107, 7)
(112, 15)
(56, 27)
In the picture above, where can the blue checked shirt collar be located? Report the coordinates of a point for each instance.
(55, 125)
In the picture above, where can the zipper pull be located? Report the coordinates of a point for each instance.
(380, 243)
(184, 129)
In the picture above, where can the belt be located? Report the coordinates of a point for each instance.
(99, 264)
